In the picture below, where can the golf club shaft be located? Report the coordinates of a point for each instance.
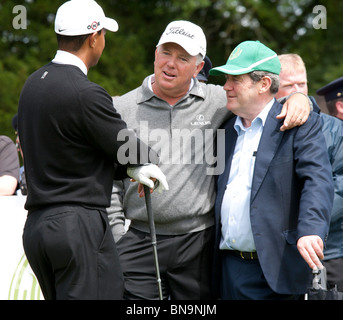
(153, 238)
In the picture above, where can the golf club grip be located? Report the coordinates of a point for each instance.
(150, 213)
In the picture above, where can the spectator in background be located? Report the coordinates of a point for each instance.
(9, 167)
(22, 180)
(204, 72)
(293, 77)
(333, 94)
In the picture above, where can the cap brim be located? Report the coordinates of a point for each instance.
(232, 69)
(184, 44)
(110, 25)
(265, 64)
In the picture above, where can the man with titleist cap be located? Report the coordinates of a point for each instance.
(170, 103)
(275, 195)
(68, 131)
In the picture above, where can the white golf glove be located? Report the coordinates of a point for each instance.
(143, 175)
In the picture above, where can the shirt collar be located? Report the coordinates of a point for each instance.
(64, 57)
(262, 117)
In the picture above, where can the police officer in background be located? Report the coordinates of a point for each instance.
(68, 131)
(333, 94)
(205, 71)
(333, 260)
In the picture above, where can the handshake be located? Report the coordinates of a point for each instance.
(144, 175)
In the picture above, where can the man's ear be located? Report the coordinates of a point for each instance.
(266, 82)
(92, 39)
(339, 106)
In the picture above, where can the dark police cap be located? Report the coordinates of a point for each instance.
(15, 122)
(333, 90)
(204, 73)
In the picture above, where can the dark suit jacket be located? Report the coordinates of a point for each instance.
(291, 196)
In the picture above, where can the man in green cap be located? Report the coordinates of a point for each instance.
(275, 195)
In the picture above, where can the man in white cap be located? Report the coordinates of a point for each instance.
(172, 108)
(68, 131)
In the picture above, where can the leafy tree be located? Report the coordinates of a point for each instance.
(283, 25)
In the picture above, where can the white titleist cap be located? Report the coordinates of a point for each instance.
(186, 34)
(79, 17)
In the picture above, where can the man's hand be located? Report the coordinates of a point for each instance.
(311, 249)
(8, 185)
(295, 111)
(147, 174)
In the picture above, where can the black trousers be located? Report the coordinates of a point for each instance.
(72, 253)
(185, 265)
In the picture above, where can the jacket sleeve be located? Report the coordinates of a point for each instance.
(315, 175)
(336, 158)
(107, 131)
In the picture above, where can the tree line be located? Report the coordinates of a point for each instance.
(308, 27)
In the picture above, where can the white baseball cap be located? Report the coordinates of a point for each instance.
(186, 34)
(79, 17)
